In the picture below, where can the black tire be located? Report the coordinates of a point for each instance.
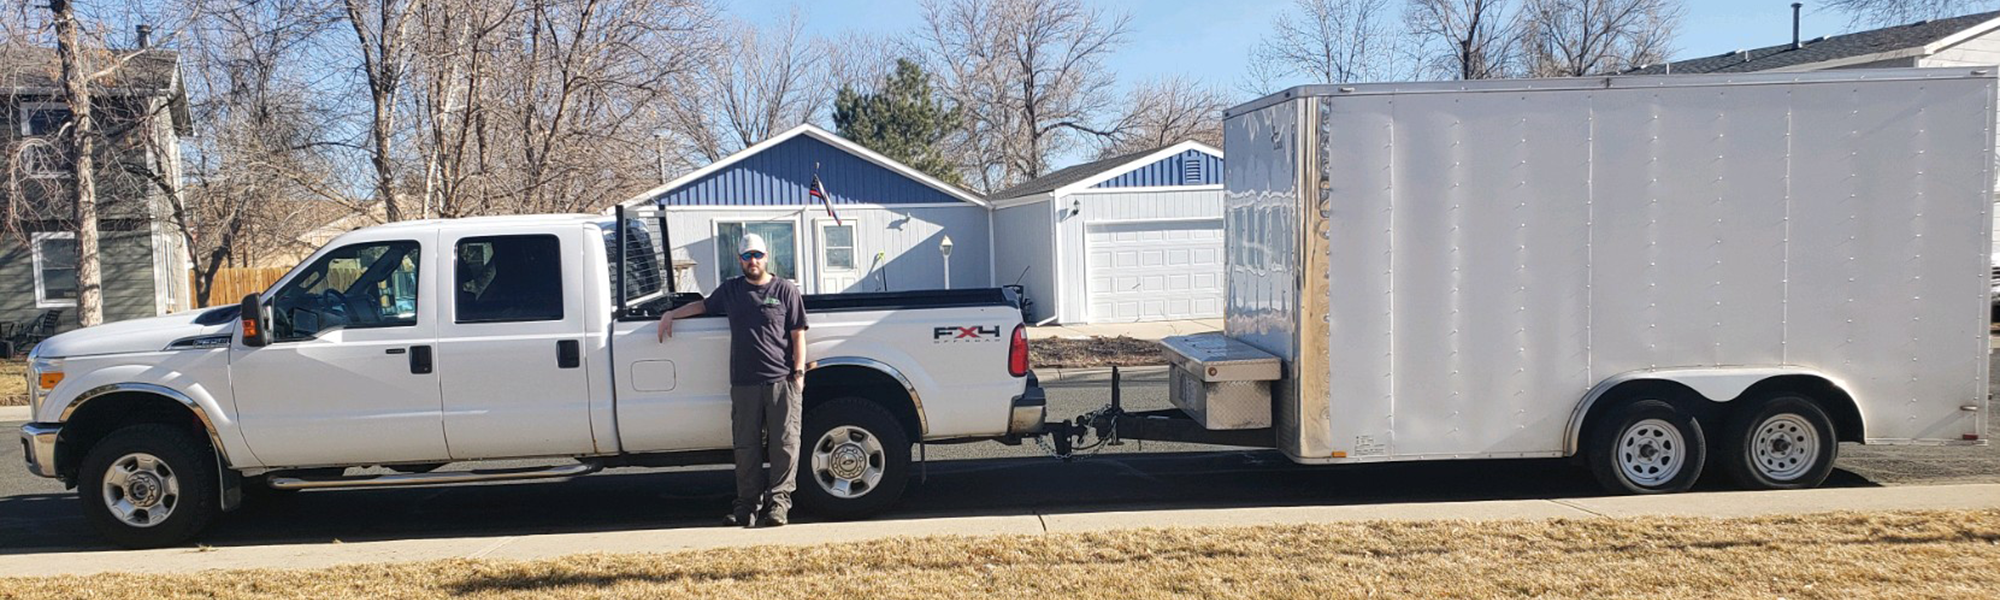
(817, 487)
(183, 458)
(1632, 449)
(1798, 448)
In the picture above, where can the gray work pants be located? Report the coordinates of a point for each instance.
(753, 411)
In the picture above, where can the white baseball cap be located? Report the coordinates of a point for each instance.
(753, 242)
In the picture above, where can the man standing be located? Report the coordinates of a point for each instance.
(767, 362)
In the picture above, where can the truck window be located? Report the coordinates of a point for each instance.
(372, 284)
(509, 279)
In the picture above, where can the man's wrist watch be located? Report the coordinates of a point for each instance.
(798, 372)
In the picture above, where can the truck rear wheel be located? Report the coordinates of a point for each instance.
(147, 486)
(1784, 442)
(854, 459)
(1647, 447)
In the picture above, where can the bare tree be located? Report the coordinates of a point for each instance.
(769, 81)
(1325, 41)
(381, 36)
(1895, 12)
(266, 166)
(1573, 38)
(1167, 111)
(1029, 75)
(82, 141)
(1460, 39)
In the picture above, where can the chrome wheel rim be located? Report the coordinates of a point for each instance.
(1651, 452)
(848, 461)
(1784, 447)
(141, 490)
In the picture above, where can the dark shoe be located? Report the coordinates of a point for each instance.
(742, 518)
(777, 517)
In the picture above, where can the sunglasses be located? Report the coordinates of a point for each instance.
(751, 255)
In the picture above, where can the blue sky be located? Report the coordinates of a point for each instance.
(1209, 40)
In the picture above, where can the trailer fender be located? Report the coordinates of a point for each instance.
(1716, 384)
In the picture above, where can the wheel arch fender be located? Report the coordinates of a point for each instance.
(829, 370)
(1719, 385)
(127, 383)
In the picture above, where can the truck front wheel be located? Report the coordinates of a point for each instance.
(1647, 447)
(1781, 443)
(853, 461)
(147, 486)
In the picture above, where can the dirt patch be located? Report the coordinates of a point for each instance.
(13, 385)
(1097, 351)
(1887, 555)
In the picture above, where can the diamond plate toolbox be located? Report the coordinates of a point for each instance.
(1220, 382)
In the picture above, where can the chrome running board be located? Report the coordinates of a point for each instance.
(403, 479)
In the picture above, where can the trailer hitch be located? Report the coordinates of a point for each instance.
(1063, 439)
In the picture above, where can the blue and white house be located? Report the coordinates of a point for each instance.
(1125, 239)
(891, 218)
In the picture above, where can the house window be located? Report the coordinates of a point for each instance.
(55, 270)
(837, 247)
(509, 279)
(778, 236)
(41, 156)
(1191, 170)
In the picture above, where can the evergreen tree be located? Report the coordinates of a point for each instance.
(902, 119)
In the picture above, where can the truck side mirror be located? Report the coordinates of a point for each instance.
(256, 322)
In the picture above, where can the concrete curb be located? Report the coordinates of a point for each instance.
(9, 414)
(304, 556)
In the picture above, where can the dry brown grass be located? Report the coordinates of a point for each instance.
(13, 388)
(1887, 555)
(1096, 351)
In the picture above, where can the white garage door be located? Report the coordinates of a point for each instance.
(1155, 271)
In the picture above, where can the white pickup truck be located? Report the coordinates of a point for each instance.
(417, 344)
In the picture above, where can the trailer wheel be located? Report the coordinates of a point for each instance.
(1784, 442)
(1647, 447)
(854, 459)
(147, 486)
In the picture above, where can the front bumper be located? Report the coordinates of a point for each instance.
(38, 446)
(1031, 408)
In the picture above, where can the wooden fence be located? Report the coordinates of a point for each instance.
(231, 285)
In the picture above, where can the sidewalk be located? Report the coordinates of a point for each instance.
(1151, 330)
(298, 556)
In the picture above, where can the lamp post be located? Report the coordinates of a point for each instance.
(944, 247)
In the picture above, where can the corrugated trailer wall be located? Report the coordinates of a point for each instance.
(1491, 255)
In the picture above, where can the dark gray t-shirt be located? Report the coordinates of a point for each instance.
(761, 320)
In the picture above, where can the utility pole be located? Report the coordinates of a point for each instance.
(83, 191)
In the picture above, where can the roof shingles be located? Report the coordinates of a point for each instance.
(1860, 43)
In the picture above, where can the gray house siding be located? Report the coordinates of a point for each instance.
(127, 273)
(1024, 252)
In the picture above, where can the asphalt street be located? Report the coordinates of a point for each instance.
(986, 478)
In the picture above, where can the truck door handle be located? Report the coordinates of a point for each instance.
(420, 360)
(569, 354)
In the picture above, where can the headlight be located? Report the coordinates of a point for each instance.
(43, 375)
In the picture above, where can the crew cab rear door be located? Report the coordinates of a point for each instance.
(510, 357)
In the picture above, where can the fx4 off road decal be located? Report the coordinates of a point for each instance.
(965, 334)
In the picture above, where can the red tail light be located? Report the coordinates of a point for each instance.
(1017, 352)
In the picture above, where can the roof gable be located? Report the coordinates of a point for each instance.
(1912, 39)
(1096, 172)
(779, 171)
(1189, 167)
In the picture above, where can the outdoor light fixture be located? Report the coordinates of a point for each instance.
(944, 247)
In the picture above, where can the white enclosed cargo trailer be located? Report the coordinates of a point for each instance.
(1654, 273)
